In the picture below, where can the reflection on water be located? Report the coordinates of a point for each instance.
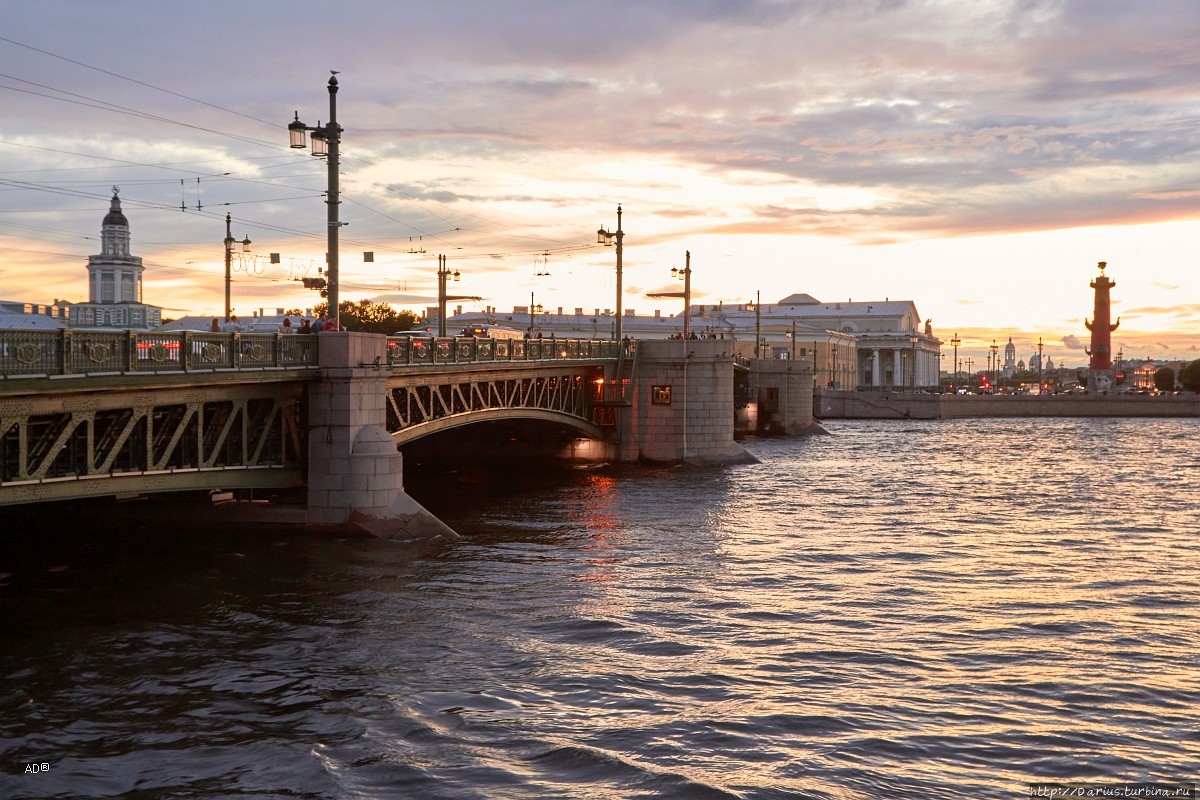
(897, 610)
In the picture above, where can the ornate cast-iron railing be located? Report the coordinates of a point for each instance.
(72, 352)
(406, 350)
(30, 354)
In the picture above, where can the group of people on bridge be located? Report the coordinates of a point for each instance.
(321, 323)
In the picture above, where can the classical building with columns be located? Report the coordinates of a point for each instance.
(879, 344)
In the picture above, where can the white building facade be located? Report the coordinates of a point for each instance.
(879, 344)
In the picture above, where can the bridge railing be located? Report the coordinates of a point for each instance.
(73, 352)
(406, 350)
(25, 354)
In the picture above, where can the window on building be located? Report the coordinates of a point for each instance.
(107, 288)
(660, 395)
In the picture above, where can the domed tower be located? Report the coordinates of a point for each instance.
(114, 276)
(115, 280)
(1010, 358)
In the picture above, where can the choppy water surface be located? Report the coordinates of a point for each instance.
(897, 610)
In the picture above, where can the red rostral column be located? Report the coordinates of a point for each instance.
(1101, 351)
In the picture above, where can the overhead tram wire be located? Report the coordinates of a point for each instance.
(121, 109)
(272, 125)
(103, 105)
(100, 105)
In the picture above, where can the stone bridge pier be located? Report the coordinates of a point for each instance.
(355, 472)
(783, 389)
(681, 405)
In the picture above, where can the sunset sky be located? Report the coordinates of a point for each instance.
(977, 158)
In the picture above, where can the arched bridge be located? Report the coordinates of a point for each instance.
(104, 413)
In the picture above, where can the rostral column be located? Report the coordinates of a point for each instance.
(1101, 351)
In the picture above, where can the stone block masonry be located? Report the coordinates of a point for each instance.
(355, 472)
(682, 405)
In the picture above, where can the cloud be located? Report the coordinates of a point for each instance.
(1071, 342)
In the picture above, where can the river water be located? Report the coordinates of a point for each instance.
(897, 610)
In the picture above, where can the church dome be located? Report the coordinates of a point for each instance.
(1010, 347)
(114, 215)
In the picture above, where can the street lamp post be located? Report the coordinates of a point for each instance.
(956, 342)
(1040, 365)
(914, 340)
(229, 242)
(995, 348)
(757, 322)
(443, 273)
(325, 141)
(834, 378)
(685, 275)
(532, 310)
(605, 238)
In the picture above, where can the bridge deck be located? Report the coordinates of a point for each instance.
(100, 412)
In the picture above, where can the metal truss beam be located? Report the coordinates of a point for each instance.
(133, 439)
(421, 403)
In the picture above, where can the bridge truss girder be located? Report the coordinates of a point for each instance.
(421, 404)
(98, 443)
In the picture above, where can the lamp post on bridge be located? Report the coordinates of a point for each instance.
(443, 273)
(229, 243)
(533, 309)
(325, 141)
(684, 275)
(605, 238)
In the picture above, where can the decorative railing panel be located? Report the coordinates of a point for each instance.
(408, 350)
(73, 352)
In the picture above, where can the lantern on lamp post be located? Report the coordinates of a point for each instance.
(605, 238)
(229, 243)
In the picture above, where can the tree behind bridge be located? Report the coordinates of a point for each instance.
(370, 317)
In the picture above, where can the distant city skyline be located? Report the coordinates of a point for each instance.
(976, 159)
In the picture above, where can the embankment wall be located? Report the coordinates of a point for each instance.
(901, 405)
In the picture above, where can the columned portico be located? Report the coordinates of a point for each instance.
(913, 360)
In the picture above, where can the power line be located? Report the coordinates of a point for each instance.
(134, 80)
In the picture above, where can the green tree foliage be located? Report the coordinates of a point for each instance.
(1164, 379)
(1189, 377)
(370, 317)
